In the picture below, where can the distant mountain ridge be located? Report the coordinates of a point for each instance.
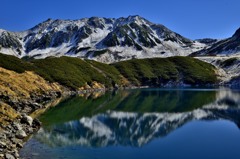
(225, 47)
(102, 39)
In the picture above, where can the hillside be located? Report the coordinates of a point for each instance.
(76, 73)
(170, 71)
(228, 68)
(67, 71)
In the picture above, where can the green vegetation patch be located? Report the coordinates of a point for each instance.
(228, 62)
(13, 63)
(99, 52)
(147, 71)
(68, 71)
(159, 71)
(74, 72)
(111, 73)
(194, 71)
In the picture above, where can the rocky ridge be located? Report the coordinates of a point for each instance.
(225, 47)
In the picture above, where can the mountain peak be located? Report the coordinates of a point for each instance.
(134, 17)
(42, 24)
(1, 31)
(49, 19)
(237, 33)
(130, 19)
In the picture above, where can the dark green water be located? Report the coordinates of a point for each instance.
(141, 124)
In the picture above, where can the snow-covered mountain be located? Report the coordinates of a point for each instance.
(103, 39)
(208, 41)
(225, 47)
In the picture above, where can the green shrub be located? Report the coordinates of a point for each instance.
(13, 63)
(228, 62)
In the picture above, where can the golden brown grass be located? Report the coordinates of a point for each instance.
(21, 85)
(7, 113)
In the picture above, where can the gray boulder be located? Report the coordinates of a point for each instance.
(21, 134)
(9, 156)
(27, 119)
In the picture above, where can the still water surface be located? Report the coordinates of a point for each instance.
(141, 124)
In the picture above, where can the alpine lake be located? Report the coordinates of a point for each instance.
(171, 123)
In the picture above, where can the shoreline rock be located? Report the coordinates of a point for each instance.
(17, 126)
(13, 136)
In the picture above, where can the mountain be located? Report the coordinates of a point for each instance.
(103, 39)
(207, 41)
(225, 47)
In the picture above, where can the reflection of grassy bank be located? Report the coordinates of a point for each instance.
(129, 101)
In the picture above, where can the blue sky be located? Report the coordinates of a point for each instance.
(190, 18)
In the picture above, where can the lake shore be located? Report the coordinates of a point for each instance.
(132, 119)
(17, 126)
(17, 129)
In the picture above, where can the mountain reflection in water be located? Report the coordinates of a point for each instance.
(134, 117)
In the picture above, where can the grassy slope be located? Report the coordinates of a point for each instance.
(13, 63)
(195, 71)
(74, 72)
(15, 85)
(160, 70)
(110, 72)
(68, 71)
(147, 71)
